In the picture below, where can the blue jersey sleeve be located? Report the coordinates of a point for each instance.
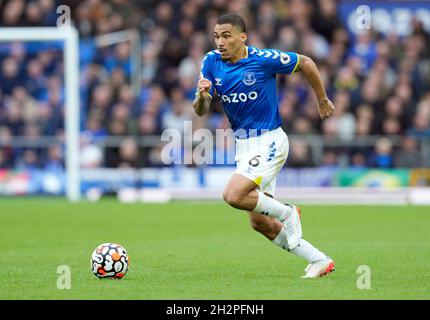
(206, 72)
(277, 61)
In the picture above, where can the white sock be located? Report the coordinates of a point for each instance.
(304, 249)
(271, 207)
(281, 239)
(308, 251)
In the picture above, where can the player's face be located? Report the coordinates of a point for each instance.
(229, 40)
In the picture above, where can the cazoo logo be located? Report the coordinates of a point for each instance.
(239, 97)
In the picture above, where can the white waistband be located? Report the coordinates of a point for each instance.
(264, 137)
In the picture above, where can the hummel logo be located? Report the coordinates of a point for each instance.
(218, 82)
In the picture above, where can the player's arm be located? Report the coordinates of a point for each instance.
(203, 98)
(312, 75)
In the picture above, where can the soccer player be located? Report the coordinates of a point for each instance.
(245, 79)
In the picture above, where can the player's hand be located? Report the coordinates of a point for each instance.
(325, 108)
(203, 87)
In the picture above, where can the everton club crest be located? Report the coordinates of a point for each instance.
(249, 78)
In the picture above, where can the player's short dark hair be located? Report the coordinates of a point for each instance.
(234, 20)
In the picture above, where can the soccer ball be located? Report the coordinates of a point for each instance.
(110, 260)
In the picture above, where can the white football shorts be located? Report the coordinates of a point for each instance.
(261, 158)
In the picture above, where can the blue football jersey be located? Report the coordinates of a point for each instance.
(247, 88)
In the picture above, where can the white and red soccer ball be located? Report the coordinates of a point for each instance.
(110, 260)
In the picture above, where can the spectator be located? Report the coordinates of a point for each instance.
(129, 155)
(409, 155)
(179, 114)
(94, 128)
(300, 155)
(358, 160)
(54, 161)
(29, 160)
(91, 155)
(36, 81)
(383, 154)
(330, 159)
(325, 19)
(9, 76)
(345, 120)
(391, 126)
(301, 125)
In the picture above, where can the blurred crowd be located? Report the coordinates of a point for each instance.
(380, 84)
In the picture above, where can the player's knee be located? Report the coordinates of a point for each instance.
(232, 197)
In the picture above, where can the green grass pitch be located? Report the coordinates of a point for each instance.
(206, 250)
